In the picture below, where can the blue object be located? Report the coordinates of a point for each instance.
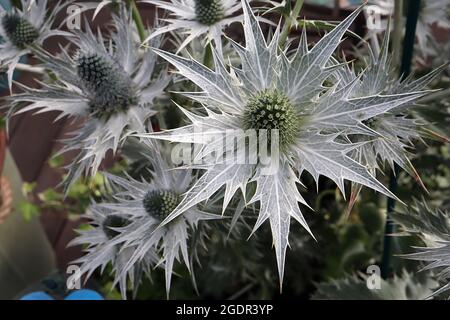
(84, 294)
(39, 295)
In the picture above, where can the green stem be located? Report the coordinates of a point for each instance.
(398, 32)
(208, 57)
(289, 21)
(138, 20)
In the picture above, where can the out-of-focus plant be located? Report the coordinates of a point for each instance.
(404, 287)
(433, 228)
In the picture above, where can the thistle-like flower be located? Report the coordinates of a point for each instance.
(146, 204)
(20, 29)
(284, 94)
(102, 249)
(112, 85)
(199, 17)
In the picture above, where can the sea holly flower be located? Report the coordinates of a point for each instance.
(146, 204)
(286, 94)
(196, 18)
(20, 29)
(112, 85)
(102, 249)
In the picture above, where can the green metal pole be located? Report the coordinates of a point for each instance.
(405, 70)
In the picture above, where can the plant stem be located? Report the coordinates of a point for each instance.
(408, 49)
(398, 30)
(389, 227)
(208, 57)
(29, 68)
(289, 21)
(138, 20)
(16, 4)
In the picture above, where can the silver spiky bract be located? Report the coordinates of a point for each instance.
(327, 117)
(112, 84)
